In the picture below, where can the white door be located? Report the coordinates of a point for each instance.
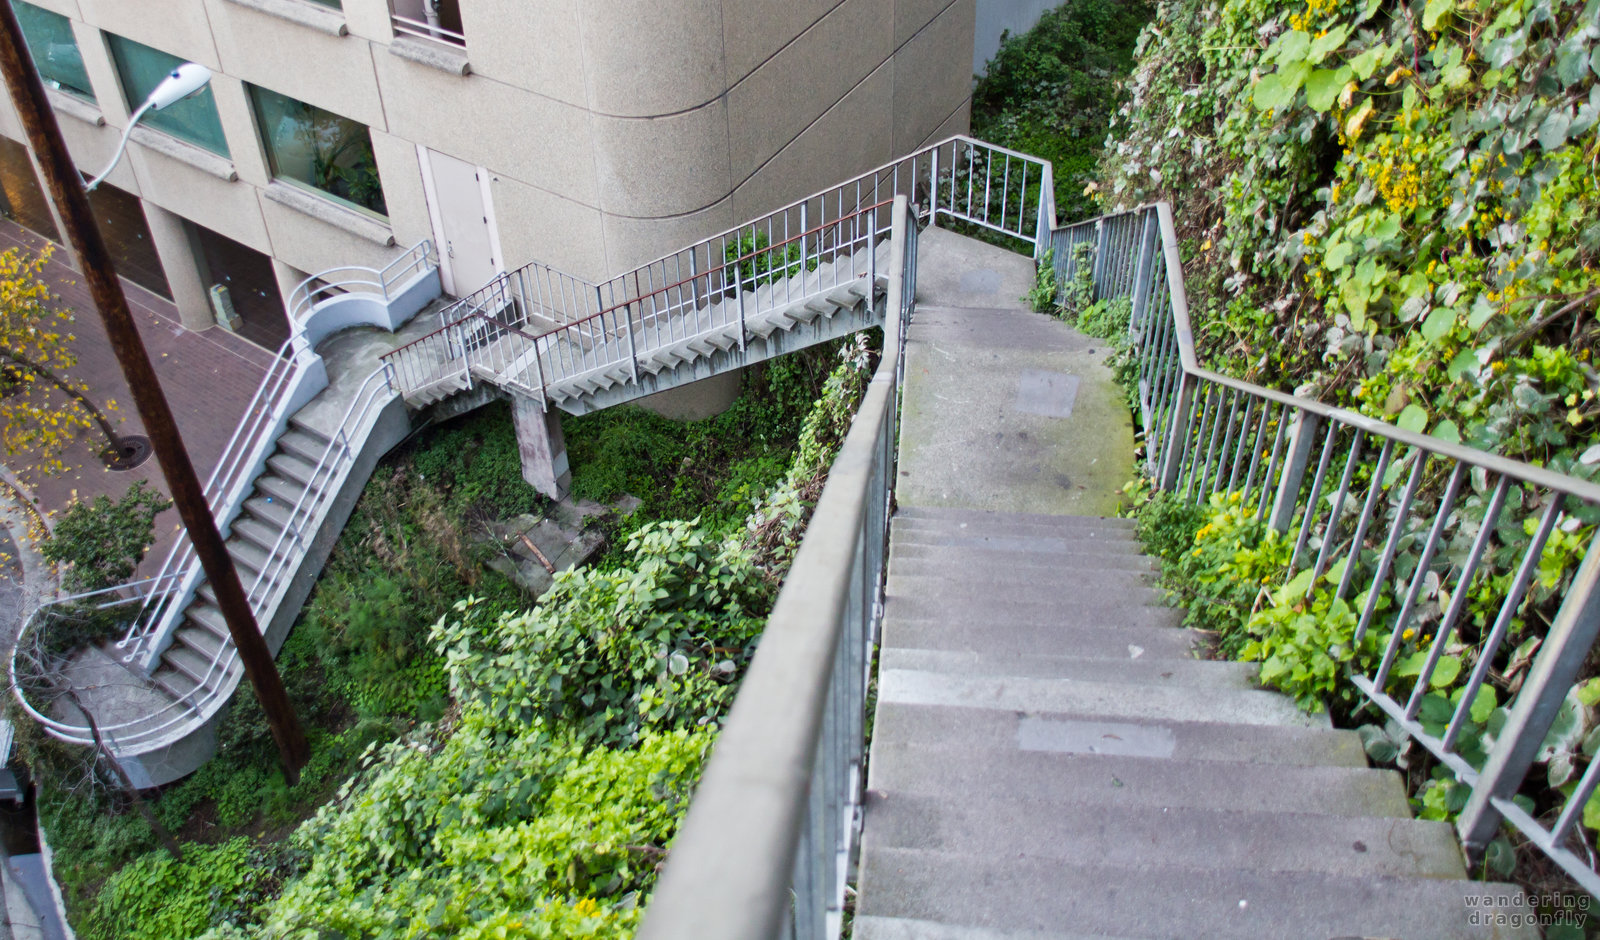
(463, 222)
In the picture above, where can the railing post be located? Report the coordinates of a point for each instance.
(1302, 438)
(1099, 255)
(1172, 457)
(1042, 231)
(633, 349)
(1141, 281)
(933, 194)
(538, 364)
(1560, 660)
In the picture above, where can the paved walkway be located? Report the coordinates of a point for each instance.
(208, 378)
(1049, 759)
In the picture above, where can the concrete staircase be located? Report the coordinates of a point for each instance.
(1050, 760)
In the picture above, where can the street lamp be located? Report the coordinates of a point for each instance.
(185, 80)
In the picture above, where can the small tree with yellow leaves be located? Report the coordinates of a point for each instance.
(42, 408)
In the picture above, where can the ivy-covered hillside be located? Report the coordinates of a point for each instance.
(1393, 206)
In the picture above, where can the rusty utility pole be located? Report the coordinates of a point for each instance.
(66, 190)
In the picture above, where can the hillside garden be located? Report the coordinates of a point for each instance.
(483, 765)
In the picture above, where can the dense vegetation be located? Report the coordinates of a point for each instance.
(1051, 92)
(1391, 207)
(482, 766)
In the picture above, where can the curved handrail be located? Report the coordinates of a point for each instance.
(309, 291)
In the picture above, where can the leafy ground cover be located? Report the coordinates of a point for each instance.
(482, 766)
(1391, 207)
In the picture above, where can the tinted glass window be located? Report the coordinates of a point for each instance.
(54, 49)
(319, 150)
(193, 119)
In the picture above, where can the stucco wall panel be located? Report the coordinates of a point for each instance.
(910, 16)
(514, 132)
(91, 148)
(530, 45)
(309, 244)
(539, 226)
(926, 89)
(368, 19)
(102, 73)
(178, 27)
(652, 167)
(401, 176)
(238, 124)
(754, 30)
(785, 94)
(224, 207)
(839, 145)
(652, 58)
(331, 72)
(632, 242)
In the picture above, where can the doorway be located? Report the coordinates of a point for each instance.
(252, 285)
(463, 221)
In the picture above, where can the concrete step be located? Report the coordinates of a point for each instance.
(1139, 633)
(204, 613)
(191, 663)
(1241, 839)
(249, 558)
(270, 510)
(1001, 590)
(1043, 544)
(982, 519)
(258, 533)
(281, 490)
(1148, 782)
(955, 728)
(1090, 697)
(303, 445)
(201, 639)
(1042, 604)
(320, 439)
(294, 468)
(1030, 894)
(1184, 673)
(172, 681)
(909, 549)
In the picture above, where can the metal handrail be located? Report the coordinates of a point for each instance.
(424, 30)
(764, 850)
(305, 294)
(1208, 433)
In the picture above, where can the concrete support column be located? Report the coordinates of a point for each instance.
(177, 253)
(542, 446)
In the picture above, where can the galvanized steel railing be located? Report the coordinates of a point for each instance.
(347, 278)
(1448, 537)
(962, 179)
(766, 846)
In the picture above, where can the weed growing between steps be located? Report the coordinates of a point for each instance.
(500, 785)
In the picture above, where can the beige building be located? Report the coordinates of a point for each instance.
(592, 135)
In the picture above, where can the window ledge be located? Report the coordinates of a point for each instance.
(311, 15)
(74, 106)
(432, 54)
(198, 157)
(328, 211)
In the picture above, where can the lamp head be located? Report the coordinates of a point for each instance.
(183, 81)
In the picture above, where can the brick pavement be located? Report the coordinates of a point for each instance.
(209, 378)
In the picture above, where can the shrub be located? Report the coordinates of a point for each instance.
(102, 542)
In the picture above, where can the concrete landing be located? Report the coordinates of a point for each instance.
(1042, 425)
(1049, 759)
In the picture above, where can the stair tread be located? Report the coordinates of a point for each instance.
(1147, 632)
(1184, 673)
(1045, 894)
(1232, 838)
(1015, 731)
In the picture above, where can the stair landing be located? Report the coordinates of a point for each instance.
(1050, 759)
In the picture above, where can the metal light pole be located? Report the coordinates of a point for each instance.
(66, 190)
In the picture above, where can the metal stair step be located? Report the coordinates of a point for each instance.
(991, 729)
(1231, 839)
(1146, 782)
(1034, 894)
(1089, 697)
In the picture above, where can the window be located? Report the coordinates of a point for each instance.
(55, 51)
(193, 119)
(319, 150)
(333, 4)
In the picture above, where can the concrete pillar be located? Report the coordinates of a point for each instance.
(177, 253)
(542, 446)
(288, 279)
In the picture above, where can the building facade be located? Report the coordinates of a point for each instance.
(592, 135)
